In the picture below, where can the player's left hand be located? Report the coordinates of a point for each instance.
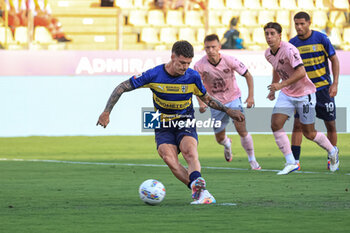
(333, 90)
(250, 102)
(236, 115)
(275, 86)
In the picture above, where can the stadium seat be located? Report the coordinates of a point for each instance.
(167, 35)
(174, 18)
(335, 37)
(252, 4)
(187, 34)
(139, 4)
(155, 18)
(346, 36)
(306, 4)
(341, 4)
(149, 35)
(220, 31)
(266, 16)
(269, 4)
(285, 35)
(227, 15)
(319, 19)
(248, 18)
(337, 18)
(283, 17)
(200, 35)
(234, 4)
(259, 36)
(6, 36)
(43, 36)
(288, 4)
(214, 19)
(216, 4)
(124, 4)
(21, 35)
(137, 18)
(246, 36)
(194, 18)
(319, 5)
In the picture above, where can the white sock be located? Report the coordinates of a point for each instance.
(290, 158)
(251, 158)
(226, 142)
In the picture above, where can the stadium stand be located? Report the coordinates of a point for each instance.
(139, 24)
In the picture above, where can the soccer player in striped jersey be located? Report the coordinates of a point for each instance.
(173, 85)
(297, 94)
(218, 74)
(315, 49)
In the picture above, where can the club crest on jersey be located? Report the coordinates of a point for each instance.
(281, 61)
(184, 88)
(226, 70)
(314, 48)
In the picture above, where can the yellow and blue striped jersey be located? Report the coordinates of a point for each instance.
(315, 52)
(172, 96)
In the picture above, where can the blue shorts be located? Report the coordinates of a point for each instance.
(325, 105)
(174, 135)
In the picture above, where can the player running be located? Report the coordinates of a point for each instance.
(173, 85)
(217, 72)
(315, 50)
(297, 94)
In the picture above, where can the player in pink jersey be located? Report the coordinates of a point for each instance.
(217, 72)
(297, 94)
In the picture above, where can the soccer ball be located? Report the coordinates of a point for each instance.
(152, 192)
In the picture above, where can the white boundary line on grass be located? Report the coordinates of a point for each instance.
(149, 165)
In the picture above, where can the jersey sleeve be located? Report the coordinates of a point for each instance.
(200, 89)
(238, 66)
(328, 46)
(141, 80)
(294, 58)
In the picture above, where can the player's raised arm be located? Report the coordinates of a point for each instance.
(216, 104)
(113, 99)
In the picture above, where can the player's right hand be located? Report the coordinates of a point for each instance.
(103, 120)
(202, 109)
(271, 95)
(236, 115)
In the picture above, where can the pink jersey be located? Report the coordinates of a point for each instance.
(220, 80)
(284, 62)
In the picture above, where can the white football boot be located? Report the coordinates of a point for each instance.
(288, 169)
(204, 198)
(334, 160)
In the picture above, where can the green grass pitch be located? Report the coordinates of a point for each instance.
(102, 196)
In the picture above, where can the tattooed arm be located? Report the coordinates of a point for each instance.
(216, 104)
(113, 99)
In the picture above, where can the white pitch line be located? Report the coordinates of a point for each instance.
(150, 165)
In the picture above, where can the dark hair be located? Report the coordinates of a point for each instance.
(183, 48)
(234, 21)
(302, 15)
(275, 26)
(211, 37)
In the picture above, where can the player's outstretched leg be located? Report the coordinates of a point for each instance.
(226, 142)
(204, 198)
(200, 194)
(247, 144)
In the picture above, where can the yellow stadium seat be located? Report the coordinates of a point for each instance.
(259, 36)
(43, 36)
(6, 36)
(266, 16)
(187, 34)
(194, 18)
(214, 18)
(216, 4)
(168, 35)
(288, 4)
(270, 4)
(220, 31)
(320, 5)
(200, 35)
(337, 18)
(149, 35)
(234, 4)
(341, 4)
(335, 37)
(155, 18)
(319, 19)
(285, 35)
(21, 35)
(124, 4)
(137, 18)
(306, 4)
(248, 18)
(283, 17)
(174, 18)
(252, 4)
(139, 4)
(246, 36)
(346, 35)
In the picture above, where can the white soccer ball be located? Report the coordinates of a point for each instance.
(152, 192)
